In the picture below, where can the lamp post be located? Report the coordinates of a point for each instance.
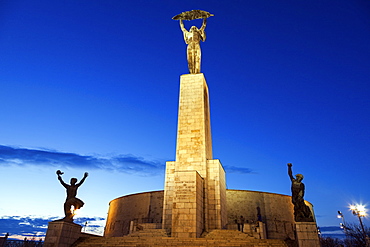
(360, 211)
(343, 224)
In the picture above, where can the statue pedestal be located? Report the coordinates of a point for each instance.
(307, 235)
(62, 234)
(187, 212)
(195, 185)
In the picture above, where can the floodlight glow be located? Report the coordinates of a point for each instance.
(358, 210)
(361, 208)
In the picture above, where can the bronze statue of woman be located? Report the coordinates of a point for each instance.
(193, 37)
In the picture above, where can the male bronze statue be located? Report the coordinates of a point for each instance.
(193, 37)
(71, 199)
(302, 212)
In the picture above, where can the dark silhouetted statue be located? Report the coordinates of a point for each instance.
(71, 199)
(259, 216)
(193, 37)
(302, 212)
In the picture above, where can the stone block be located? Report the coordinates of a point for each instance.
(188, 202)
(307, 234)
(62, 234)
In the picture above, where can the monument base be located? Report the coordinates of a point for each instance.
(187, 212)
(62, 234)
(307, 235)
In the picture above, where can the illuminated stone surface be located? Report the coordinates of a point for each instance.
(62, 234)
(206, 192)
(195, 203)
(307, 234)
(276, 212)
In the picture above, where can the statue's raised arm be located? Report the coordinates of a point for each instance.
(182, 26)
(59, 173)
(204, 24)
(290, 172)
(83, 179)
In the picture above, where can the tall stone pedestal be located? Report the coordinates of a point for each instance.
(307, 235)
(62, 234)
(195, 187)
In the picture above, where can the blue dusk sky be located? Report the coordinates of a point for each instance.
(92, 86)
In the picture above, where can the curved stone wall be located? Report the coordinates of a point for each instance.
(144, 207)
(276, 211)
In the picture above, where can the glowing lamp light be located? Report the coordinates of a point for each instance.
(340, 215)
(361, 207)
(358, 210)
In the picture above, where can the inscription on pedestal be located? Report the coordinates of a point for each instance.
(184, 191)
(187, 220)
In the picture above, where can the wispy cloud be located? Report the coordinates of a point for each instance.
(235, 169)
(125, 163)
(91, 225)
(36, 227)
(332, 231)
(25, 226)
(330, 228)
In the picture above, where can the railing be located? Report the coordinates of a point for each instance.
(23, 243)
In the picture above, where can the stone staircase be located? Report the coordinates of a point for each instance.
(158, 237)
(149, 233)
(226, 234)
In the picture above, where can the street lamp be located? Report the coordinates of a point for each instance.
(343, 224)
(360, 211)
